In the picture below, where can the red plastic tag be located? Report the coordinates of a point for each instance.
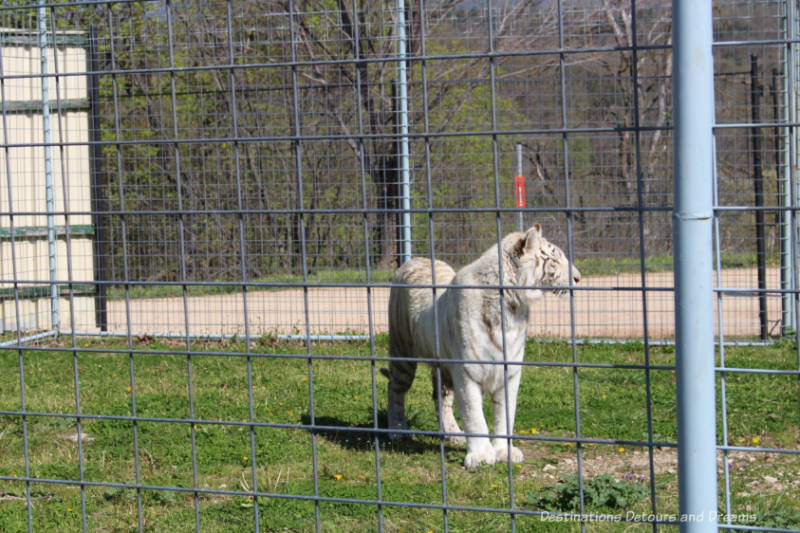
(519, 190)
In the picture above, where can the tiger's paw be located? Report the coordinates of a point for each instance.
(501, 452)
(485, 454)
(398, 436)
(397, 423)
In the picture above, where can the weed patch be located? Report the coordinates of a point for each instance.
(601, 494)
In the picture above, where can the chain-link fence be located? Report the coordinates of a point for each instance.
(198, 190)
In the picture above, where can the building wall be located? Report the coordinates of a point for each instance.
(23, 190)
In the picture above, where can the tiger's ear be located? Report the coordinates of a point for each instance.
(533, 239)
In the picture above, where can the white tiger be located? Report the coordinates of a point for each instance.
(470, 329)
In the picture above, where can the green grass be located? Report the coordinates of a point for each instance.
(296, 280)
(604, 266)
(762, 411)
(589, 266)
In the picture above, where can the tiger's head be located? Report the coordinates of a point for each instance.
(541, 263)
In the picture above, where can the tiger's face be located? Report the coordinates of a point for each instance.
(543, 264)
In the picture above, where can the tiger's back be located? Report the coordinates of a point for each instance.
(406, 304)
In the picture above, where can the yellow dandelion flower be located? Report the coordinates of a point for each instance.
(533, 431)
(356, 397)
(337, 477)
(523, 431)
(621, 449)
(495, 486)
(244, 458)
(604, 396)
(194, 426)
(128, 389)
(69, 509)
(742, 439)
(756, 440)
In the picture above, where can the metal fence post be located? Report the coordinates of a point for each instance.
(48, 167)
(788, 259)
(756, 92)
(693, 87)
(405, 173)
(99, 188)
(519, 189)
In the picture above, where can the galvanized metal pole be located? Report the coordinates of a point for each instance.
(403, 157)
(790, 155)
(520, 222)
(693, 86)
(48, 168)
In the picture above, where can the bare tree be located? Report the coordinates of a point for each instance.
(643, 78)
(360, 88)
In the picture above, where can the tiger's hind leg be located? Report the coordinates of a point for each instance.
(401, 376)
(446, 414)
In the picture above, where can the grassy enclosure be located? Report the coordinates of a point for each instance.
(282, 149)
(338, 455)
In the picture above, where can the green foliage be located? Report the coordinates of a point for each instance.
(778, 518)
(600, 494)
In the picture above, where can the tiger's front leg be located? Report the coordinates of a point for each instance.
(502, 445)
(444, 413)
(470, 406)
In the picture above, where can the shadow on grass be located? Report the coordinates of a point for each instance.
(361, 437)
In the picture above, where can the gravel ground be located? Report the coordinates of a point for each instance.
(604, 307)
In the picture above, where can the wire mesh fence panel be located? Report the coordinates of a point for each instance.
(204, 207)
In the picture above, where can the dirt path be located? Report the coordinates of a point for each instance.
(607, 306)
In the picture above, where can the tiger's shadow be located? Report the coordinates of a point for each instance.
(362, 437)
